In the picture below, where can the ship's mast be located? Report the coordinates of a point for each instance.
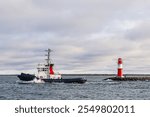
(48, 61)
(48, 57)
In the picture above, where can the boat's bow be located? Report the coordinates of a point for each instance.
(26, 77)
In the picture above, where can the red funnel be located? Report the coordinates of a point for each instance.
(51, 69)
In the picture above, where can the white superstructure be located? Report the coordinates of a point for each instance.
(45, 71)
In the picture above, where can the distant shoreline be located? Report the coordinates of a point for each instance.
(87, 74)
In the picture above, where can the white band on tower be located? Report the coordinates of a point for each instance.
(120, 66)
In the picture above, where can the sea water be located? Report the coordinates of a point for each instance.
(96, 88)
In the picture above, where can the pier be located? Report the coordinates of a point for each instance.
(137, 78)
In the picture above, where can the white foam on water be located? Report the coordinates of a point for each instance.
(37, 81)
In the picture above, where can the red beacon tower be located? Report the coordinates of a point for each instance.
(120, 68)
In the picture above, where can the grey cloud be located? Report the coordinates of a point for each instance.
(141, 31)
(86, 36)
(64, 16)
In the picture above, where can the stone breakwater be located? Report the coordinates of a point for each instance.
(129, 78)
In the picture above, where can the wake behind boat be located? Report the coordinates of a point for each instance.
(47, 74)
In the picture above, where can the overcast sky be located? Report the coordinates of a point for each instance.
(86, 36)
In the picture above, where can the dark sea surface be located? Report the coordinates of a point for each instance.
(96, 88)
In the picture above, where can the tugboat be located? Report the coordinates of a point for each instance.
(47, 74)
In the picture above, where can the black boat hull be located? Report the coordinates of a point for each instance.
(29, 77)
(69, 80)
